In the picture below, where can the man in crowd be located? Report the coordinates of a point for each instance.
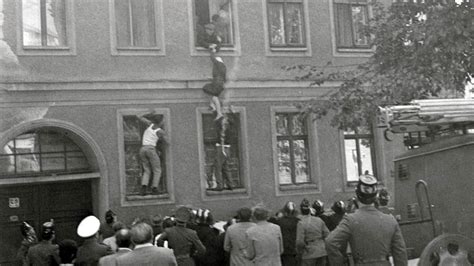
(45, 252)
(310, 234)
(91, 250)
(235, 240)
(145, 253)
(124, 243)
(265, 241)
(373, 235)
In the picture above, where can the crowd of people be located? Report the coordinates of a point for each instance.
(295, 235)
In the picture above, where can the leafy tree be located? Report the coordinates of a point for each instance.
(422, 50)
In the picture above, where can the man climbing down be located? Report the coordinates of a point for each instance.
(148, 154)
(215, 88)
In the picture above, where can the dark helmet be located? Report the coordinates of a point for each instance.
(339, 207)
(305, 204)
(383, 197)
(183, 215)
(109, 216)
(366, 190)
(318, 207)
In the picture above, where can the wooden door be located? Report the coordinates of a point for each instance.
(67, 203)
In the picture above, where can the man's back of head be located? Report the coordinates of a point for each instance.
(244, 214)
(123, 238)
(141, 233)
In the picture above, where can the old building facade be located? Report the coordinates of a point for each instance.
(76, 74)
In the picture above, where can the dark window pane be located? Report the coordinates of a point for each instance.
(359, 19)
(143, 18)
(53, 162)
(51, 142)
(294, 16)
(76, 161)
(349, 21)
(7, 164)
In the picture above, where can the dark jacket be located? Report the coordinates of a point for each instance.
(288, 230)
(214, 251)
(90, 252)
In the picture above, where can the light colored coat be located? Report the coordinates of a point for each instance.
(310, 234)
(265, 244)
(235, 242)
(150, 256)
(372, 235)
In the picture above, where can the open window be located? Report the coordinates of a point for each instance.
(359, 154)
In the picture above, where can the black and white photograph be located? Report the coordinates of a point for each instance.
(236, 132)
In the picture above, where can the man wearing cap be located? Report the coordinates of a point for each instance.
(372, 235)
(145, 253)
(91, 250)
(45, 252)
(184, 241)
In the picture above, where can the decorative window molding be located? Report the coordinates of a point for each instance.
(286, 47)
(311, 159)
(238, 166)
(130, 170)
(358, 151)
(130, 36)
(46, 27)
(231, 37)
(349, 50)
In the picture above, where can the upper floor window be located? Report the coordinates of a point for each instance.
(213, 18)
(350, 18)
(135, 23)
(292, 149)
(286, 23)
(42, 152)
(359, 153)
(44, 23)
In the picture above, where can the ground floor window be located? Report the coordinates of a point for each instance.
(359, 153)
(144, 154)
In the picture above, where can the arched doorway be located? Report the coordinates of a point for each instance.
(48, 170)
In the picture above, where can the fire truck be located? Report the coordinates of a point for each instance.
(434, 178)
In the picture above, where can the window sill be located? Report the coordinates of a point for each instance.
(289, 51)
(352, 52)
(224, 51)
(298, 187)
(48, 51)
(147, 197)
(236, 191)
(137, 51)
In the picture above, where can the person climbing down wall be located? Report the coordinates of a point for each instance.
(216, 86)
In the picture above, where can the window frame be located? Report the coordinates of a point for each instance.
(373, 153)
(285, 6)
(43, 155)
(287, 51)
(313, 156)
(234, 50)
(68, 50)
(131, 200)
(237, 193)
(159, 50)
(362, 51)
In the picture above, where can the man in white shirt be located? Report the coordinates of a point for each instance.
(149, 156)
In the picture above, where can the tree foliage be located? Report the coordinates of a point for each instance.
(422, 50)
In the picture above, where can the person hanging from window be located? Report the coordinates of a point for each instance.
(216, 86)
(149, 155)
